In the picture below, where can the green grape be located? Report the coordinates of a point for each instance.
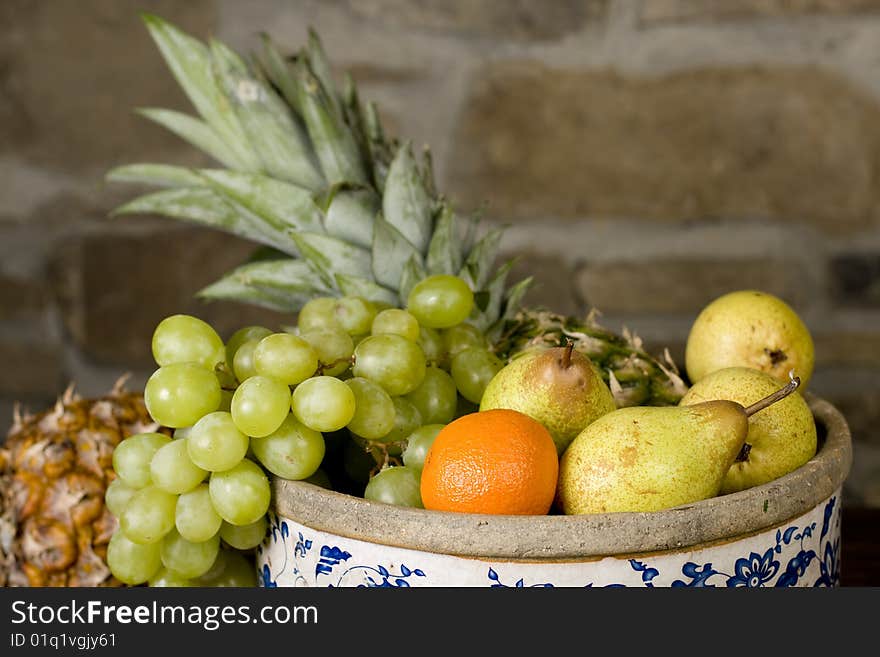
(132, 457)
(392, 361)
(293, 451)
(132, 563)
(406, 419)
(243, 361)
(418, 443)
(187, 339)
(186, 558)
(323, 403)
(440, 301)
(397, 322)
(241, 494)
(181, 432)
(169, 579)
(461, 336)
(354, 314)
(172, 469)
(216, 568)
(436, 397)
(260, 405)
(149, 515)
(431, 343)
(317, 313)
(396, 485)
(472, 369)
(232, 569)
(374, 410)
(216, 443)
(195, 517)
(285, 357)
(117, 495)
(177, 395)
(244, 537)
(334, 348)
(241, 336)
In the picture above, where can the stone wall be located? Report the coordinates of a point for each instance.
(647, 156)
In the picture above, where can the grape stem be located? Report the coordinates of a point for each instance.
(323, 367)
(385, 459)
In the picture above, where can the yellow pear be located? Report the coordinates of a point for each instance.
(749, 328)
(780, 439)
(650, 458)
(558, 387)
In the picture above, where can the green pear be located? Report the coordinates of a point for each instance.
(558, 387)
(650, 458)
(780, 439)
(749, 328)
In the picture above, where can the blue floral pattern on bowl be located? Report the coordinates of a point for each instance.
(804, 552)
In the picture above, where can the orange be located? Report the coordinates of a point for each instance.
(498, 461)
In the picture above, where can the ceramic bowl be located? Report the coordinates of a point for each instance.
(783, 533)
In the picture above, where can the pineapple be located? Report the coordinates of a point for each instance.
(339, 208)
(54, 469)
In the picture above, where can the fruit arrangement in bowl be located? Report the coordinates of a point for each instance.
(411, 384)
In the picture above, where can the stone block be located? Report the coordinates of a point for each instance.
(30, 369)
(519, 20)
(792, 145)
(855, 279)
(686, 11)
(114, 288)
(685, 286)
(72, 74)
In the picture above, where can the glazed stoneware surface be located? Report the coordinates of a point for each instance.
(804, 552)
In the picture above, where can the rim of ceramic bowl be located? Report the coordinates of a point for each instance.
(581, 536)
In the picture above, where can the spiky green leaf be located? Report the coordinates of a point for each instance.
(391, 252)
(204, 206)
(495, 295)
(406, 204)
(329, 256)
(335, 146)
(444, 254)
(320, 66)
(284, 205)
(272, 130)
(230, 289)
(480, 261)
(362, 287)
(190, 64)
(160, 175)
(279, 72)
(412, 273)
(350, 215)
(283, 285)
(513, 297)
(196, 132)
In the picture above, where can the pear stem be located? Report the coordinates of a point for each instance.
(566, 356)
(782, 393)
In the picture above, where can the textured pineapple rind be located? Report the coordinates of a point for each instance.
(54, 469)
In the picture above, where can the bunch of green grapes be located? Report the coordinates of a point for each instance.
(376, 383)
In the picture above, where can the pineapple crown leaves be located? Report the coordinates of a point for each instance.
(307, 171)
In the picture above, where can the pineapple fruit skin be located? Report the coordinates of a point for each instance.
(54, 469)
